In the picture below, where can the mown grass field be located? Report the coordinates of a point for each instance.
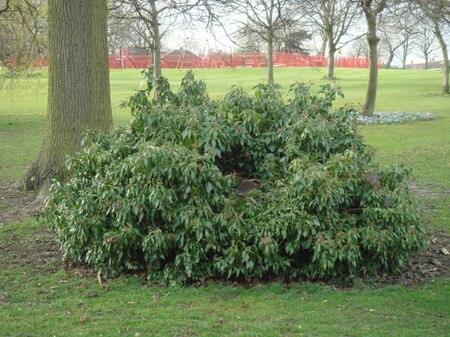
(44, 299)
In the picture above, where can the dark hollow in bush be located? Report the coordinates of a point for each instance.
(248, 186)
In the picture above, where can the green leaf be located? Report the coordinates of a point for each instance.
(209, 187)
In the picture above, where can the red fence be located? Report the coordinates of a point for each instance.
(116, 62)
(220, 60)
(235, 60)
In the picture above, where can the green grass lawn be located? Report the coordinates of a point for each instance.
(38, 299)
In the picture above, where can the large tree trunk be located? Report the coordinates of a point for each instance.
(270, 59)
(438, 34)
(331, 52)
(78, 86)
(372, 41)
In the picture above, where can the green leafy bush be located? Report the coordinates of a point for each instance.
(249, 186)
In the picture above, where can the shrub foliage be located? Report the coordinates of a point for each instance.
(248, 186)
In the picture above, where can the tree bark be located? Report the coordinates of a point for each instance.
(372, 41)
(388, 63)
(270, 58)
(324, 46)
(156, 55)
(152, 55)
(405, 53)
(156, 41)
(78, 85)
(331, 52)
(438, 34)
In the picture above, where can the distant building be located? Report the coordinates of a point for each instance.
(180, 58)
(421, 66)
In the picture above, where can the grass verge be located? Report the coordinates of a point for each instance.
(38, 297)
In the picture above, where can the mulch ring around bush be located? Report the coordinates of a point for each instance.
(432, 262)
(39, 249)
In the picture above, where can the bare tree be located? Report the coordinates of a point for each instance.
(125, 32)
(250, 42)
(333, 19)
(22, 32)
(291, 39)
(372, 9)
(267, 19)
(407, 30)
(389, 42)
(425, 41)
(437, 14)
(397, 28)
(152, 14)
(359, 48)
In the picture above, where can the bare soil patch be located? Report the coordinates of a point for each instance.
(38, 251)
(15, 205)
(429, 191)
